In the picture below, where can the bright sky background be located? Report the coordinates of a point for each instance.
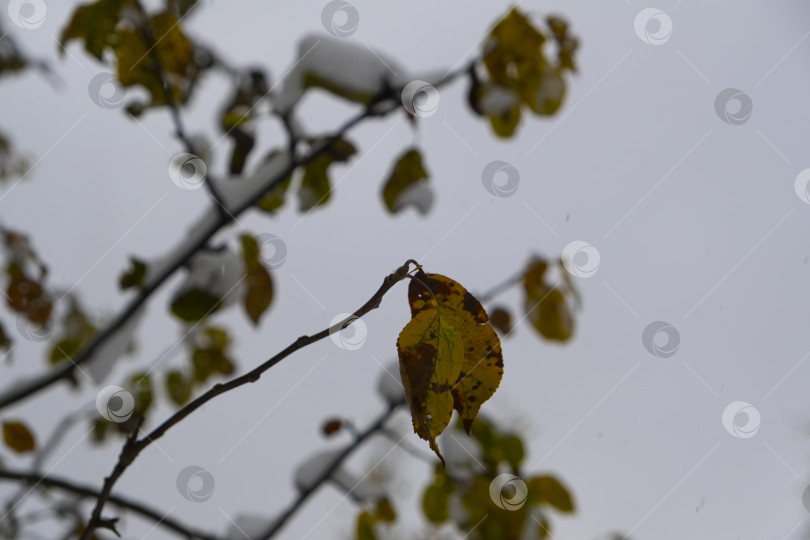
(696, 221)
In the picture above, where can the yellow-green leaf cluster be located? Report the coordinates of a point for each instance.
(173, 51)
(211, 354)
(450, 357)
(483, 518)
(519, 73)
(103, 26)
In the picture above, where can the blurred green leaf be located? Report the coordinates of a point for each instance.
(512, 450)
(134, 277)
(140, 385)
(194, 305)
(365, 527)
(548, 490)
(408, 172)
(18, 437)
(94, 24)
(315, 189)
(259, 285)
(178, 388)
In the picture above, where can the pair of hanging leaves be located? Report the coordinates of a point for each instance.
(449, 355)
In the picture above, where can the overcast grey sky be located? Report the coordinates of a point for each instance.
(696, 220)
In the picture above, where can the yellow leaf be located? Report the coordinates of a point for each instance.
(547, 308)
(482, 366)
(365, 527)
(430, 359)
(18, 437)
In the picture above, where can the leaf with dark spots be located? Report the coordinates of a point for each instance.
(483, 360)
(430, 358)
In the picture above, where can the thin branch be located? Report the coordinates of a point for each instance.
(501, 288)
(171, 102)
(134, 446)
(35, 479)
(26, 389)
(128, 453)
(305, 494)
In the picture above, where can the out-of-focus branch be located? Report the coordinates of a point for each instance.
(200, 239)
(168, 94)
(156, 516)
(501, 287)
(376, 426)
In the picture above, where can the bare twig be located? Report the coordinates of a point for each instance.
(134, 446)
(202, 236)
(35, 479)
(502, 287)
(128, 453)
